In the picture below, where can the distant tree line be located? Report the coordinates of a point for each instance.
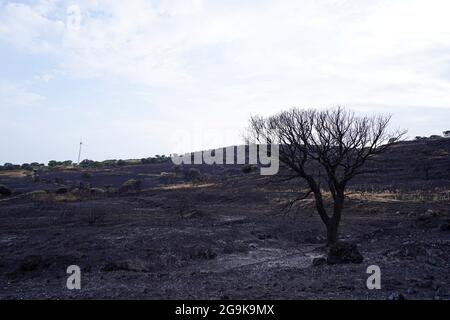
(445, 134)
(35, 166)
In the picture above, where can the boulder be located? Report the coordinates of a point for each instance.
(4, 191)
(319, 261)
(62, 190)
(396, 296)
(344, 252)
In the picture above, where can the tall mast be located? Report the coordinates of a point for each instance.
(79, 152)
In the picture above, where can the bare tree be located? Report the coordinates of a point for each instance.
(326, 149)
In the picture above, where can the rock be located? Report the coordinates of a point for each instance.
(440, 293)
(263, 236)
(344, 252)
(445, 226)
(396, 296)
(411, 291)
(31, 263)
(430, 213)
(320, 261)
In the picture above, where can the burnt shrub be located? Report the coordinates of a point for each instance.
(201, 252)
(131, 185)
(86, 175)
(10, 166)
(248, 168)
(109, 163)
(342, 253)
(62, 190)
(121, 162)
(193, 174)
(5, 191)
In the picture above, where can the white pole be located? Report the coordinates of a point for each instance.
(79, 153)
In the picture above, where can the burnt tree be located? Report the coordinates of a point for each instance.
(326, 149)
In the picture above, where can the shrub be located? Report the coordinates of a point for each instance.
(168, 174)
(53, 163)
(61, 190)
(193, 174)
(109, 163)
(4, 191)
(10, 166)
(90, 164)
(97, 191)
(86, 175)
(121, 162)
(248, 168)
(67, 163)
(38, 195)
(26, 166)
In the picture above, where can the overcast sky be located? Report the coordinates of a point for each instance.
(138, 78)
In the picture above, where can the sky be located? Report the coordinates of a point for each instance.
(136, 78)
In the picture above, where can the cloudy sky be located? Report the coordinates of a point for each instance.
(138, 78)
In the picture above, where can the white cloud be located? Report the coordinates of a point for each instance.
(12, 96)
(28, 28)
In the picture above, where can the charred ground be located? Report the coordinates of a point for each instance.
(222, 234)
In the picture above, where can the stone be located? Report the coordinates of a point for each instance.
(430, 213)
(344, 252)
(4, 191)
(319, 261)
(440, 293)
(396, 296)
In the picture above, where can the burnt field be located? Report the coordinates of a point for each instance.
(220, 233)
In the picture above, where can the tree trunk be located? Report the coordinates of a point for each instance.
(332, 232)
(333, 223)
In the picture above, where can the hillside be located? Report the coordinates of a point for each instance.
(221, 233)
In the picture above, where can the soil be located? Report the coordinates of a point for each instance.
(225, 236)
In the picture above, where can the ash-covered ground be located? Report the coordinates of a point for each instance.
(223, 234)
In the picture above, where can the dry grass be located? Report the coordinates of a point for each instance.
(436, 195)
(14, 174)
(187, 185)
(43, 196)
